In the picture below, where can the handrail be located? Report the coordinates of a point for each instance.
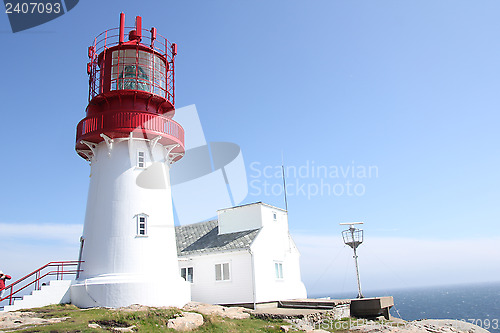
(38, 276)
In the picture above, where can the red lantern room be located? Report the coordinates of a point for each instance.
(131, 89)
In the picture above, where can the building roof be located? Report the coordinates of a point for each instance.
(204, 237)
(253, 203)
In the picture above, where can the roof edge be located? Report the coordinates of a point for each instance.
(253, 203)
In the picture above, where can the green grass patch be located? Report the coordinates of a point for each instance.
(150, 320)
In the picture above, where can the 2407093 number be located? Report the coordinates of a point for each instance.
(484, 323)
(32, 8)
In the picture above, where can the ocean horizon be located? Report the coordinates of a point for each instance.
(476, 303)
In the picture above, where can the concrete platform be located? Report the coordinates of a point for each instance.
(369, 308)
(372, 307)
(300, 308)
(313, 303)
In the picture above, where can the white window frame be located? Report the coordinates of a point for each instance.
(185, 274)
(278, 270)
(139, 228)
(223, 277)
(141, 164)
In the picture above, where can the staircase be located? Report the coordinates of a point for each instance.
(53, 291)
(56, 292)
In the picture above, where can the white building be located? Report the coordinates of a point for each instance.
(245, 257)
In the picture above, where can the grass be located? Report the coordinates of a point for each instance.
(151, 320)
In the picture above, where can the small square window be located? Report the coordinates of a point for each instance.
(141, 159)
(187, 274)
(222, 272)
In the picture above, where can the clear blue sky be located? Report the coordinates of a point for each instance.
(409, 87)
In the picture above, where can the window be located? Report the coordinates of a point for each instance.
(222, 272)
(187, 274)
(278, 269)
(138, 70)
(275, 216)
(142, 225)
(141, 159)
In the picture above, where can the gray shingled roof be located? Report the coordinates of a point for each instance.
(204, 237)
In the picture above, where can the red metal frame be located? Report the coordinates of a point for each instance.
(57, 268)
(131, 88)
(119, 124)
(143, 39)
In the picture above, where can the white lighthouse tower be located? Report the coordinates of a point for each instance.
(128, 249)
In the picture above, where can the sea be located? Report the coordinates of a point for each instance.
(477, 303)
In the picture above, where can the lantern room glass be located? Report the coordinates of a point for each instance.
(138, 70)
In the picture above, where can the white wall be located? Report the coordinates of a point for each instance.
(121, 267)
(206, 289)
(248, 217)
(274, 244)
(240, 218)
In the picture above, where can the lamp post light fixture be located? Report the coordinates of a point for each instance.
(354, 237)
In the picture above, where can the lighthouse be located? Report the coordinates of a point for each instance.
(127, 249)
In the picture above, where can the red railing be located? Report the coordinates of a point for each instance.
(53, 268)
(128, 121)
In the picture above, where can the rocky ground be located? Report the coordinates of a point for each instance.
(383, 326)
(16, 319)
(191, 317)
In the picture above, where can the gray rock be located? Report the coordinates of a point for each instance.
(236, 312)
(186, 322)
(123, 329)
(285, 328)
(15, 319)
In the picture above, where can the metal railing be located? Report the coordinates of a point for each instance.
(128, 121)
(53, 268)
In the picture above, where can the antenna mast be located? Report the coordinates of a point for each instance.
(284, 181)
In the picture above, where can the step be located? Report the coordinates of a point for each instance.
(312, 303)
(56, 292)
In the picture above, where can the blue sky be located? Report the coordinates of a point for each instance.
(410, 88)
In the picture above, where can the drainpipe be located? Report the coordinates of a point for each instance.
(253, 279)
(82, 241)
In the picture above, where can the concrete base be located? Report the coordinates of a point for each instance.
(372, 307)
(117, 291)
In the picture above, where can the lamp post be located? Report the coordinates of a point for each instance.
(354, 237)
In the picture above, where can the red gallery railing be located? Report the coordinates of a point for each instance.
(53, 268)
(128, 121)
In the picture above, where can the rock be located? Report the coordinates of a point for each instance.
(285, 328)
(419, 326)
(15, 319)
(300, 324)
(236, 312)
(94, 325)
(133, 308)
(123, 329)
(186, 322)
